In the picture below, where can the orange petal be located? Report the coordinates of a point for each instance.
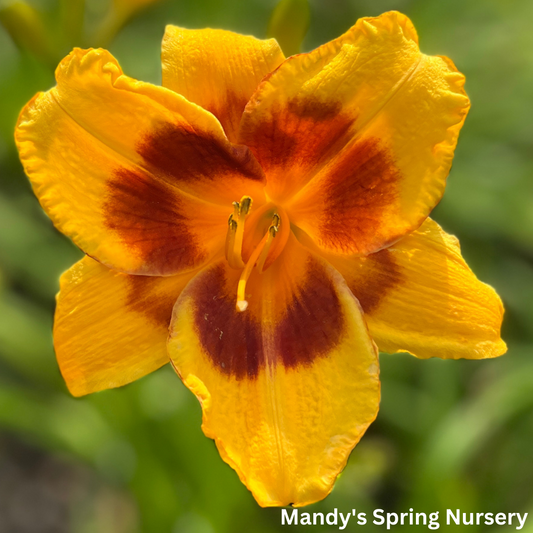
(111, 328)
(287, 387)
(137, 176)
(216, 69)
(420, 296)
(357, 137)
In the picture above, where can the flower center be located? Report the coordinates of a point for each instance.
(267, 231)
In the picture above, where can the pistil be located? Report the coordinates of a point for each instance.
(258, 257)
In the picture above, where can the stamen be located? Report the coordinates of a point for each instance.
(235, 234)
(234, 262)
(272, 231)
(258, 257)
(244, 208)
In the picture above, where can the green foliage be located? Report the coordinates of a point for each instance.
(449, 434)
(289, 24)
(26, 28)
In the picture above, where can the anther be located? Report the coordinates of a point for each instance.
(236, 210)
(245, 205)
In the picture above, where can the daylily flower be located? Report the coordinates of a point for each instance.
(327, 165)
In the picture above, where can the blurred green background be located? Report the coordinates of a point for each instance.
(450, 434)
